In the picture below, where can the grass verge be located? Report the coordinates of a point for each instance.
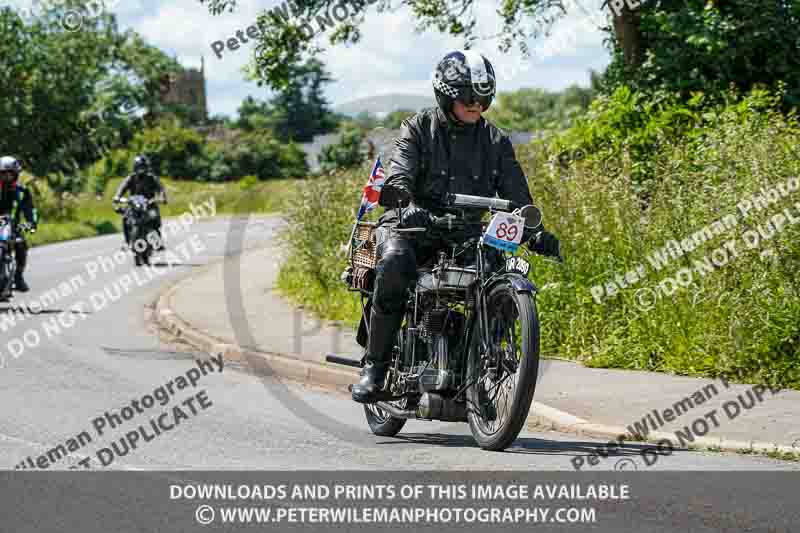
(86, 215)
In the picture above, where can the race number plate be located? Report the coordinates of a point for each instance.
(518, 264)
(505, 232)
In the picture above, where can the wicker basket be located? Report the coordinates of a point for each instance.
(363, 250)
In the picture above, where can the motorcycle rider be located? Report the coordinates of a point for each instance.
(447, 149)
(16, 200)
(143, 182)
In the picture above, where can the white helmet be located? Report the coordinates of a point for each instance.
(10, 164)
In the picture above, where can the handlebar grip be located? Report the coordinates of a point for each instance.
(481, 202)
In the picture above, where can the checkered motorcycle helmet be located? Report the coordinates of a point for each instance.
(466, 76)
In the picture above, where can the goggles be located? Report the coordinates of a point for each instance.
(468, 96)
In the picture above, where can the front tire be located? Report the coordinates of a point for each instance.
(6, 276)
(499, 401)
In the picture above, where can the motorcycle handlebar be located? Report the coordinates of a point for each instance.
(479, 202)
(443, 222)
(124, 200)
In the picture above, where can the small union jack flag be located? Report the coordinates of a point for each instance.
(372, 190)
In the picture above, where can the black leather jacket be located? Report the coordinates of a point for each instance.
(148, 185)
(435, 155)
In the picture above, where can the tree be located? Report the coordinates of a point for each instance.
(683, 44)
(537, 109)
(395, 118)
(70, 96)
(698, 45)
(284, 41)
(298, 111)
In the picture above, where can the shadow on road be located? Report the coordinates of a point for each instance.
(148, 353)
(524, 445)
(24, 311)
(161, 264)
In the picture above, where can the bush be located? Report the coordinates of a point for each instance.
(173, 150)
(321, 215)
(248, 182)
(184, 154)
(346, 153)
(657, 172)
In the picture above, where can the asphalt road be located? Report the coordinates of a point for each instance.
(104, 358)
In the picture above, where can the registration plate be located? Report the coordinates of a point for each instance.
(518, 265)
(505, 232)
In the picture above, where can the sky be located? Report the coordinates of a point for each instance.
(391, 57)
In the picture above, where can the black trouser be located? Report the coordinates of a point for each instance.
(397, 265)
(395, 272)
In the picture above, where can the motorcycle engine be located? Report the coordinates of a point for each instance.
(442, 328)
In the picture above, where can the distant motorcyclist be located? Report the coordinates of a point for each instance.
(147, 184)
(448, 149)
(16, 200)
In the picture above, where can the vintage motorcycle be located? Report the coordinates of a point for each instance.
(468, 349)
(140, 216)
(8, 263)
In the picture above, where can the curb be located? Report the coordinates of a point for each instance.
(541, 416)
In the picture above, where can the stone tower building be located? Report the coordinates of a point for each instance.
(188, 87)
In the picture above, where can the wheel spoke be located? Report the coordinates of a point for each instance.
(497, 392)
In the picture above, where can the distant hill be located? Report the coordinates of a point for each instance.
(385, 103)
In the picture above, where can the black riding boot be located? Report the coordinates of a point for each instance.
(382, 334)
(21, 256)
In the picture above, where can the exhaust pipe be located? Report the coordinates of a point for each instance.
(332, 358)
(431, 407)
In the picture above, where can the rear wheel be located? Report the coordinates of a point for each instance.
(380, 422)
(504, 375)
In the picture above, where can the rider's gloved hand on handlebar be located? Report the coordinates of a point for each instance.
(414, 216)
(545, 243)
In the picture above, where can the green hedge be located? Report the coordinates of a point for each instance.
(183, 153)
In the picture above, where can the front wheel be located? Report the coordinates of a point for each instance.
(6, 275)
(504, 372)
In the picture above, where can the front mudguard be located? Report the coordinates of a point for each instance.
(518, 281)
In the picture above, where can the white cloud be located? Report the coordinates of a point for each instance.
(390, 58)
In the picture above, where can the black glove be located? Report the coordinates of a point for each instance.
(414, 216)
(546, 243)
